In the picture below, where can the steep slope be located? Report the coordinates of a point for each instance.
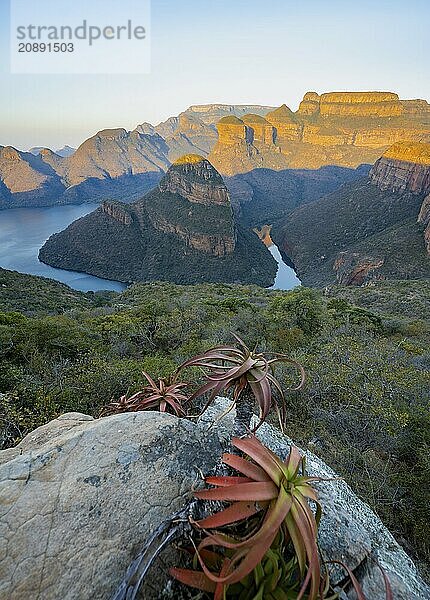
(367, 229)
(183, 231)
(26, 180)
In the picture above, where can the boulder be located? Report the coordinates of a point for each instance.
(79, 497)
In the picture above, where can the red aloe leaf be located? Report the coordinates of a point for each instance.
(246, 467)
(219, 591)
(150, 380)
(388, 590)
(238, 371)
(300, 499)
(225, 481)
(261, 490)
(285, 358)
(195, 579)
(297, 541)
(232, 514)
(251, 553)
(293, 462)
(263, 395)
(354, 581)
(262, 456)
(313, 573)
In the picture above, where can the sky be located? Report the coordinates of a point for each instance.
(236, 52)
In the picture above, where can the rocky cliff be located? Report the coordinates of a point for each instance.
(182, 231)
(404, 166)
(368, 229)
(195, 179)
(336, 128)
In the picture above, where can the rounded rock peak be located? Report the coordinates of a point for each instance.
(189, 159)
(311, 96)
(112, 134)
(230, 120)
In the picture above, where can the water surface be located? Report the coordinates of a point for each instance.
(23, 231)
(286, 278)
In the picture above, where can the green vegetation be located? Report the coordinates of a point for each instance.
(364, 409)
(361, 219)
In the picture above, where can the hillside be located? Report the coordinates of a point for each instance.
(183, 231)
(370, 228)
(364, 408)
(36, 295)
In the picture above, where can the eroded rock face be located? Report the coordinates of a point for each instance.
(336, 128)
(194, 178)
(361, 104)
(117, 211)
(78, 498)
(354, 269)
(424, 219)
(403, 167)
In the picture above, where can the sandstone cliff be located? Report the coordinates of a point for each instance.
(336, 128)
(404, 166)
(183, 231)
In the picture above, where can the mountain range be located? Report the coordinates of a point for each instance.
(376, 227)
(343, 129)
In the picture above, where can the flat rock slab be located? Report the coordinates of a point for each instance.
(79, 497)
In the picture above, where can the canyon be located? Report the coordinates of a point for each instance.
(377, 227)
(344, 129)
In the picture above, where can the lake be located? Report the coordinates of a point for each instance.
(23, 231)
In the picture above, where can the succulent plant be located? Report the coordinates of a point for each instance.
(165, 396)
(242, 369)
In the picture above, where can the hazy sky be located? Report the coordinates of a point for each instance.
(230, 51)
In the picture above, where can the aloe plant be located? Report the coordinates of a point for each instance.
(242, 369)
(276, 556)
(278, 493)
(165, 396)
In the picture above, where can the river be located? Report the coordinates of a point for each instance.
(23, 231)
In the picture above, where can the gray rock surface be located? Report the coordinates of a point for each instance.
(78, 498)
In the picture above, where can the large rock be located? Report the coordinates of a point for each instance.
(78, 498)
